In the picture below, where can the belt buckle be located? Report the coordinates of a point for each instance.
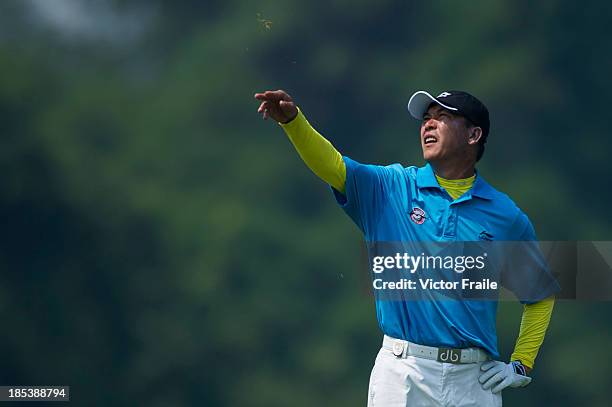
(449, 355)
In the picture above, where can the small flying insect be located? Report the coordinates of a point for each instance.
(266, 23)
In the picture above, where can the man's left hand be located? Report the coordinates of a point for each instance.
(502, 375)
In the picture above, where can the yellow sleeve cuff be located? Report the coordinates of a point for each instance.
(295, 124)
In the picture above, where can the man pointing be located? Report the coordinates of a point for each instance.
(435, 353)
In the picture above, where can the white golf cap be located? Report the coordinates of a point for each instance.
(421, 100)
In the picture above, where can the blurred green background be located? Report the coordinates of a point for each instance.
(164, 246)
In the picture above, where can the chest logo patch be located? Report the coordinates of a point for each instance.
(418, 215)
(484, 235)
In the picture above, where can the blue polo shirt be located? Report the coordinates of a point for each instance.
(393, 203)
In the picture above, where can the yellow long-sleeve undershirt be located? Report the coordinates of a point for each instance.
(456, 187)
(534, 324)
(327, 163)
(316, 151)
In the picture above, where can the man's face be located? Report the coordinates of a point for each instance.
(444, 135)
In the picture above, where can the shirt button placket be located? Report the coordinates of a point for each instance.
(451, 223)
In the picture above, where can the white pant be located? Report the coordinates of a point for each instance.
(415, 381)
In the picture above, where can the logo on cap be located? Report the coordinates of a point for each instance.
(417, 215)
(444, 94)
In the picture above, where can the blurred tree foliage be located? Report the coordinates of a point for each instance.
(163, 246)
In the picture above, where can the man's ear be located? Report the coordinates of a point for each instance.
(475, 135)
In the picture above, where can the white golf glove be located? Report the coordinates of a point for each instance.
(502, 375)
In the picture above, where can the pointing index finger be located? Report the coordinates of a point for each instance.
(269, 95)
(273, 95)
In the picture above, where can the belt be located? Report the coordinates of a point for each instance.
(403, 349)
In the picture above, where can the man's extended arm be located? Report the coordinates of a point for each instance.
(316, 151)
